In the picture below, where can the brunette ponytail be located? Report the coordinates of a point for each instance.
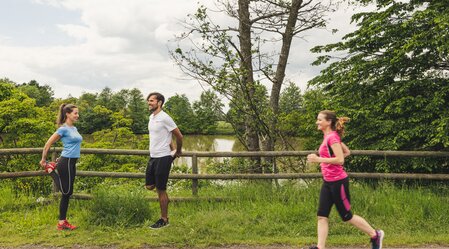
(62, 114)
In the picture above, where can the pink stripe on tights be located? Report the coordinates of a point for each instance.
(344, 198)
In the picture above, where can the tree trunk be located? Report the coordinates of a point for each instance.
(252, 137)
(280, 75)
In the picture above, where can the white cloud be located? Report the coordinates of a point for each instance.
(123, 44)
(76, 31)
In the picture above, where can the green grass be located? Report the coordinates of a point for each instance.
(224, 128)
(256, 214)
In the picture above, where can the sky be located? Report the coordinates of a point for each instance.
(78, 46)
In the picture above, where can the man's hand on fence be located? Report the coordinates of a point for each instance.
(175, 154)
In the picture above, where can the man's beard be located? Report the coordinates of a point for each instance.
(153, 109)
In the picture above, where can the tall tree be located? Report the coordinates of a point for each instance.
(95, 119)
(180, 109)
(230, 59)
(105, 98)
(87, 100)
(22, 122)
(208, 110)
(393, 82)
(42, 94)
(120, 101)
(138, 111)
(291, 110)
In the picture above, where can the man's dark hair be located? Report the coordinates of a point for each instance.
(159, 97)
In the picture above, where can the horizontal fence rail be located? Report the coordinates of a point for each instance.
(385, 153)
(409, 176)
(197, 154)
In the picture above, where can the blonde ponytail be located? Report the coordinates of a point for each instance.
(340, 125)
(337, 124)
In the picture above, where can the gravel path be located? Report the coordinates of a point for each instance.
(227, 247)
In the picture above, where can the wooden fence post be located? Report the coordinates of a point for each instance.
(195, 171)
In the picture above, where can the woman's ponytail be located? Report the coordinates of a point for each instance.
(340, 125)
(62, 114)
(337, 124)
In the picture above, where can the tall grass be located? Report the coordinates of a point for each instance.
(255, 213)
(121, 206)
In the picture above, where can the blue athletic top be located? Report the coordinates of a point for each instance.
(71, 141)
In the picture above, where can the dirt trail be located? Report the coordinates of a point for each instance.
(225, 247)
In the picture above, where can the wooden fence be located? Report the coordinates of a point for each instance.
(195, 155)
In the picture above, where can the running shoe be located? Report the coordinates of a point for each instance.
(66, 226)
(376, 243)
(159, 224)
(50, 166)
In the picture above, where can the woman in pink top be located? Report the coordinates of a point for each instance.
(335, 188)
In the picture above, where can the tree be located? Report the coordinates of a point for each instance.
(128, 104)
(119, 101)
(208, 111)
(230, 59)
(105, 98)
(87, 100)
(138, 111)
(22, 123)
(180, 109)
(95, 119)
(291, 110)
(42, 94)
(393, 82)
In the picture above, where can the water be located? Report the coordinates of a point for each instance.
(224, 143)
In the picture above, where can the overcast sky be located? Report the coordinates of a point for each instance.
(78, 46)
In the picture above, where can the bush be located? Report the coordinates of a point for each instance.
(119, 206)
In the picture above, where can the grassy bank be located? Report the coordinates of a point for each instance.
(256, 214)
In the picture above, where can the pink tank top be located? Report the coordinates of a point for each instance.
(331, 172)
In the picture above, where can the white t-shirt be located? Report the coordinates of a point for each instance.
(160, 126)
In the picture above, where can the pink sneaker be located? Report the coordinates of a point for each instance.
(50, 166)
(66, 226)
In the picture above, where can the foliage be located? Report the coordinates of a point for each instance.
(94, 119)
(291, 110)
(42, 94)
(393, 83)
(138, 111)
(224, 128)
(126, 108)
(180, 109)
(208, 111)
(240, 111)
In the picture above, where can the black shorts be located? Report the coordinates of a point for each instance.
(335, 193)
(157, 172)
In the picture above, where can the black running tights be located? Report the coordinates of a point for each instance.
(64, 179)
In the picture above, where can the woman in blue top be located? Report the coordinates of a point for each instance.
(66, 170)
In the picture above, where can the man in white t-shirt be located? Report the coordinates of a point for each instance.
(162, 153)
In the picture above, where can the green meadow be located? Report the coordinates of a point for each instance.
(252, 213)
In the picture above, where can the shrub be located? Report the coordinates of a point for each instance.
(119, 206)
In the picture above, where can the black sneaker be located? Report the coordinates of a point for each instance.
(159, 224)
(313, 247)
(376, 243)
